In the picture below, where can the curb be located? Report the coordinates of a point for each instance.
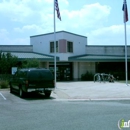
(86, 100)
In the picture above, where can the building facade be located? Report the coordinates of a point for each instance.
(74, 56)
(67, 45)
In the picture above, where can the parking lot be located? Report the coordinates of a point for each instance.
(69, 101)
(6, 96)
(30, 113)
(106, 102)
(80, 90)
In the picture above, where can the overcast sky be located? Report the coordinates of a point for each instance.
(100, 20)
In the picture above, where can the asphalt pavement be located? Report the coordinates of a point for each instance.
(88, 90)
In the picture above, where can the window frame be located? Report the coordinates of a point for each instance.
(52, 47)
(70, 46)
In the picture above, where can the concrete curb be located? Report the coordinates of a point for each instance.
(86, 100)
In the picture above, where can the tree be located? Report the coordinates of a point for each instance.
(7, 61)
(30, 63)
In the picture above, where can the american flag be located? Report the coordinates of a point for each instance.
(57, 9)
(124, 8)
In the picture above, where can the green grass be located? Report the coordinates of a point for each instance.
(4, 84)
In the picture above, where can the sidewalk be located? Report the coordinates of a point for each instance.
(92, 91)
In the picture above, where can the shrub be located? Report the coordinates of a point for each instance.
(87, 76)
(4, 84)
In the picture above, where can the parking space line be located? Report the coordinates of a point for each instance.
(2, 96)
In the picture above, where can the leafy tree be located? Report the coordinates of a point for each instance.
(30, 63)
(7, 61)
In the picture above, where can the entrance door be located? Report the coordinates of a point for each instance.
(64, 71)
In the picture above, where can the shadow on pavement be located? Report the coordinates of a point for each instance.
(34, 96)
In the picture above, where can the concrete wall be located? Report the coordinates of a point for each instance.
(76, 70)
(107, 50)
(80, 68)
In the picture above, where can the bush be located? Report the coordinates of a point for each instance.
(4, 84)
(5, 77)
(87, 76)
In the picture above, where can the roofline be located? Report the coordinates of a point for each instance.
(13, 45)
(77, 56)
(97, 60)
(107, 45)
(28, 52)
(58, 32)
(74, 58)
(47, 59)
(41, 59)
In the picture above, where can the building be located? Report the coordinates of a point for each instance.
(67, 45)
(74, 56)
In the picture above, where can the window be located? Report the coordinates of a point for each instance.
(69, 46)
(52, 47)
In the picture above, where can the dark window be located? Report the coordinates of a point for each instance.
(34, 75)
(52, 47)
(69, 46)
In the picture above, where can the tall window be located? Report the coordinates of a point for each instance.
(69, 46)
(52, 47)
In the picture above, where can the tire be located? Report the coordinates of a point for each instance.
(11, 89)
(21, 92)
(47, 94)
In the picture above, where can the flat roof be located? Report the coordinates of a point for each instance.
(99, 58)
(31, 55)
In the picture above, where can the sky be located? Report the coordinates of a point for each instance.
(101, 21)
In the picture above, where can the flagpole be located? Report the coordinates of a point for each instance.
(126, 69)
(54, 47)
(125, 20)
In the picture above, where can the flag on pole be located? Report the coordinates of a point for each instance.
(57, 9)
(124, 8)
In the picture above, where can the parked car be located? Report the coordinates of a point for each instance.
(33, 79)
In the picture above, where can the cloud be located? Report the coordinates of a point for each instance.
(29, 28)
(3, 32)
(6, 39)
(14, 10)
(25, 18)
(88, 16)
(114, 29)
(22, 11)
(112, 35)
(21, 41)
(81, 21)
(27, 10)
(33, 29)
